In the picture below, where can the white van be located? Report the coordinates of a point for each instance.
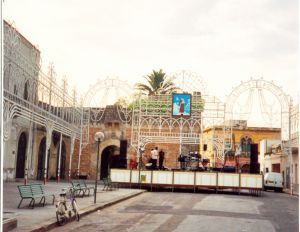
(273, 181)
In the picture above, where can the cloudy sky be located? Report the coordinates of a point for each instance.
(224, 41)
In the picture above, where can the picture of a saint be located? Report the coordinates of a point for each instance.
(181, 103)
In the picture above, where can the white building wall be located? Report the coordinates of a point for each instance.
(21, 59)
(266, 148)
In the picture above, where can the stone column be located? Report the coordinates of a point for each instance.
(49, 130)
(73, 136)
(28, 153)
(59, 158)
(79, 155)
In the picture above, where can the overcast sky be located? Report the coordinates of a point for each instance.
(225, 41)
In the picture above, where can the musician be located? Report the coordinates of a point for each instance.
(197, 155)
(154, 157)
(181, 159)
(161, 159)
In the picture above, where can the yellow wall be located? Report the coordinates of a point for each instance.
(255, 133)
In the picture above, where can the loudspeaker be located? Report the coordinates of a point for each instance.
(254, 166)
(254, 153)
(123, 154)
(204, 147)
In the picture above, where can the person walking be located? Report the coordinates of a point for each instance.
(161, 159)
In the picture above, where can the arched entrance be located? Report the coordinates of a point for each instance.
(41, 160)
(109, 160)
(62, 160)
(21, 156)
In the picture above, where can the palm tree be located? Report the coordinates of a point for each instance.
(158, 83)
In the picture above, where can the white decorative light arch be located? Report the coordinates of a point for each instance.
(260, 85)
(94, 103)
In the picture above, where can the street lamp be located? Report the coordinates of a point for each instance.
(99, 136)
(141, 152)
(238, 152)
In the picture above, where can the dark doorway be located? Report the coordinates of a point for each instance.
(287, 176)
(62, 160)
(21, 156)
(108, 161)
(122, 161)
(41, 160)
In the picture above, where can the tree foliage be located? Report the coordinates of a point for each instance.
(157, 83)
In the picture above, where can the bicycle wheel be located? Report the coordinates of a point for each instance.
(60, 216)
(76, 211)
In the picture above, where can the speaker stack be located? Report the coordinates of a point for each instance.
(254, 165)
(123, 154)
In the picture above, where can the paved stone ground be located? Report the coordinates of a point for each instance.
(30, 219)
(165, 211)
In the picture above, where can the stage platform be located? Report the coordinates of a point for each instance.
(189, 179)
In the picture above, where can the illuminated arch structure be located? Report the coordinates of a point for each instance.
(151, 119)
(273, 103)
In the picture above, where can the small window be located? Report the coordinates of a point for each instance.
(26, 91)
(7, 75)
(245, 143)
(15, 90)
(267, 170)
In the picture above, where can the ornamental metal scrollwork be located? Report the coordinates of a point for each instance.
(189, 81)
(97, 95)
(266, 108)
(8, 112)
(11, 38)
(49, 130)
(36, 96)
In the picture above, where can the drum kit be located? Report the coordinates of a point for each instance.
(190, 161)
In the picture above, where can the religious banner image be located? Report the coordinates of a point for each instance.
(181, 104)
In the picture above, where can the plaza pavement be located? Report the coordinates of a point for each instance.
(44, 218)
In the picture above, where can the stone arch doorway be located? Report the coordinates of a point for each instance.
(21, 156)
(41, 160)
(62, 161)
(109, 159)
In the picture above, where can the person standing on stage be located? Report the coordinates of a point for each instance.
(151, 155)
(154, 157)
(161, 159)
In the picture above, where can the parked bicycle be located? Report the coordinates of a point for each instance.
(66, 207)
